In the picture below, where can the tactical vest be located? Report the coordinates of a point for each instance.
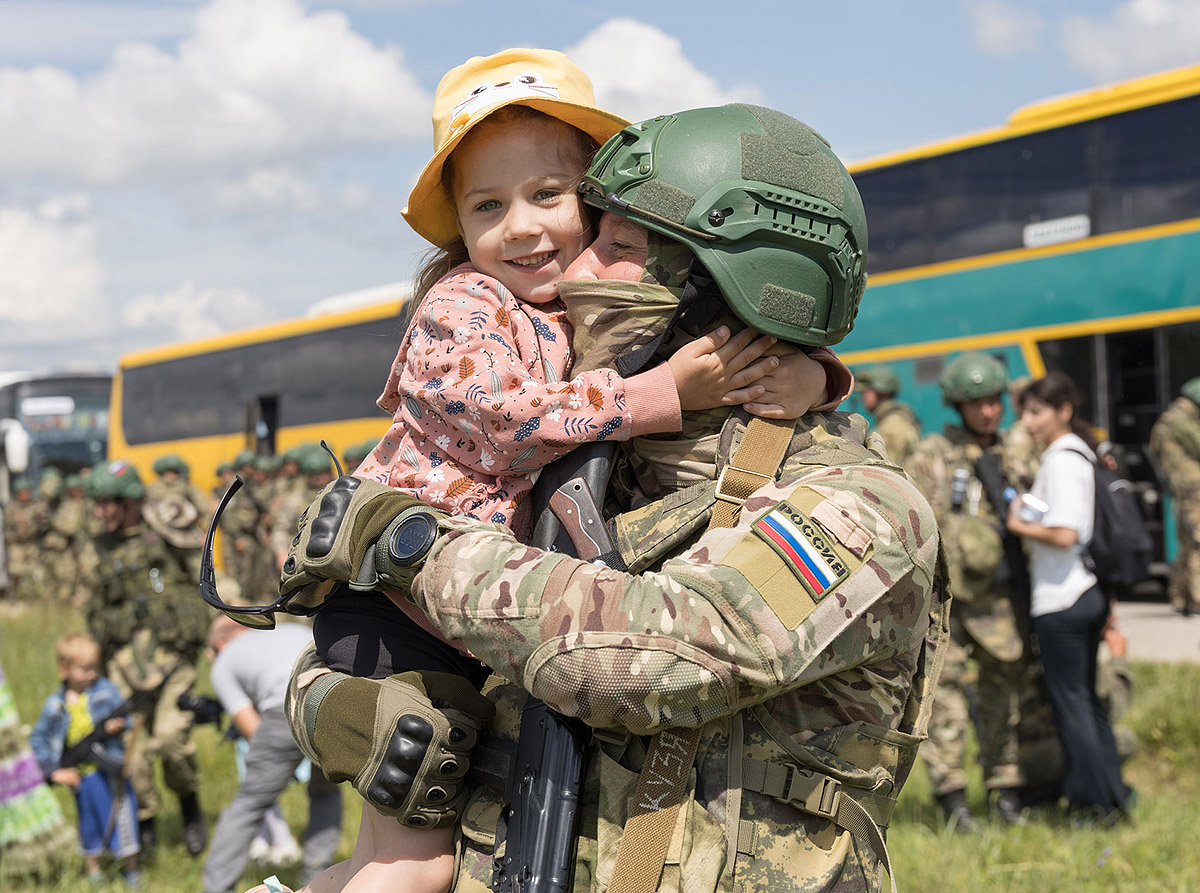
(752, 788)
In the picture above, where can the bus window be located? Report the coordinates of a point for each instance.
(983, 198)
(1148, 167)
(897, 201)
(1182, 352)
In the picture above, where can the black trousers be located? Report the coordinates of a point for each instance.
(1069, 642)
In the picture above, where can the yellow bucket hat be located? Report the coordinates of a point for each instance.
(545, 80)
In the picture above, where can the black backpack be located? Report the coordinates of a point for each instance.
(1120, 548)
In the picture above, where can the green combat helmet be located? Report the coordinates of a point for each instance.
(117, 480)
(314, 460)
(244, 458)
(354, 455)
(1191, 390)
(73, 482)
(170, 462)
(879, 378)
(760, 200)
(22, 483)
(970, 376)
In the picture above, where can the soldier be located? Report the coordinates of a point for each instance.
(1175, 442)
(316, 470)
(895, 422)
(240, 529)
(957, 471)
(354, 454)
(225, 473)
(151, 630)
(176, 510)
(70, 524)
(786, 654)
(24, 525)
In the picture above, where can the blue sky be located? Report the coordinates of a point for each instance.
(175, 169)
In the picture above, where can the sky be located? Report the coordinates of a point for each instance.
(175, 169)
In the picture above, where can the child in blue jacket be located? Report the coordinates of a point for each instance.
(106, 803)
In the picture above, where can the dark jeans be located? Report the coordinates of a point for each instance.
(1069, 641)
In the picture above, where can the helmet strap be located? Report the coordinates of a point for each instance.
(699, 304)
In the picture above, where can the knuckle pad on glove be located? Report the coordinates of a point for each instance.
(324, 528)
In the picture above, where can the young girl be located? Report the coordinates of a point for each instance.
(477, 391)
(1069, 610)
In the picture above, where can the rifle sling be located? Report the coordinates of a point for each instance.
(662, 785)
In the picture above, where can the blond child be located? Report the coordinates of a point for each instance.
(104, 797)
(478, 392)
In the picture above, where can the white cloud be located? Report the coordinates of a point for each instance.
(1138, 37)
(252, 84)
(273, 190)
(52, 280)
(1005, 29)
(188, 312)
(639, 71)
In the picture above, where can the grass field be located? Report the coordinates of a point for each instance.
(1157, 853)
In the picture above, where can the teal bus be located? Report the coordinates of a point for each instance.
(1067, 239)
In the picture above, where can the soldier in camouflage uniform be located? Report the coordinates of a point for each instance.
(177, 510)
(71, 523)
(775, 661)
(315, 471)
(244, 526)
(151, 629)
(895, 421)
(988, 601)
(1175, 442)
(24, 526)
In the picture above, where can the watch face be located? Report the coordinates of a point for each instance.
(412, 538)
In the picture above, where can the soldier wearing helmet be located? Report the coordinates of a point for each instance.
(143, 611)
(895, 421)
(1175, 443)
(780, 658)
(958, 471)
(25, 520)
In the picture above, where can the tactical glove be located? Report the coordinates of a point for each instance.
(403, 741)
(357, 532)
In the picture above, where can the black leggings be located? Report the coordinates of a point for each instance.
(364, 634)
(1069, 641)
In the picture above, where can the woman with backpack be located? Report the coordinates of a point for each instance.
(1068, 607)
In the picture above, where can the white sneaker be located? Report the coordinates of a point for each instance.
(286, 853)
(260, 850)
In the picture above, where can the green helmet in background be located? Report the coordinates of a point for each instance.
(244, 458)
(117, 480)
(879, 378)
(314, 460)
(170, 462)
(22, 482)
(762, 202)
(970, 376)
(72, 481)
(354, 455)
(1191, 390)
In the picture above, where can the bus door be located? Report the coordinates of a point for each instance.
(262, 421)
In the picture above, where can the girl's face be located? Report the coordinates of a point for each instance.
(1044, 422)
(518, 210)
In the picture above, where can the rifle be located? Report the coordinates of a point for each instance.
(91, 746)
(538, 831)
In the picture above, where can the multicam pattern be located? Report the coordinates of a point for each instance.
(708, 637)
(984, 611)
(1175, 441)
(896, 423)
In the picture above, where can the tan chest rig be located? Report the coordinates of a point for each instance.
(732, 821)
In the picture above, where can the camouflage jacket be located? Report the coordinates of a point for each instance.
(25, 523)
(897, 424)
(973, 534)
(1175, 442)
(141, 584)
(809, 635)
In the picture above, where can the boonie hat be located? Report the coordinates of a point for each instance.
(545, 80)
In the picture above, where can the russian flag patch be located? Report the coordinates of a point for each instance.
(804, 546)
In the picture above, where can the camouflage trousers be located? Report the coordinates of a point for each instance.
(161, 732)
(945, 752)
(254, 570)
(1184, 588)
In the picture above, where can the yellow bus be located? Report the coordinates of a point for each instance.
(265, 389)
(1067, 238)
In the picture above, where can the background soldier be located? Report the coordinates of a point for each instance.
(316, 470)
(895, 422)
(70, 523)
(991, 601)
(242, 525)
(24, 525)
(731, 653)
(1175, 442)
(151, 629)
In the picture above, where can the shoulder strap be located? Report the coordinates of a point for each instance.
(663, 782)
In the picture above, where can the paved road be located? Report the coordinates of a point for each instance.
(1155, 631)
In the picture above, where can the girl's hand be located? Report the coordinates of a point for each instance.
(114, 725)
(717, 370)
(794, 387)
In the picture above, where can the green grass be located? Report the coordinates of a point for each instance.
(1156, 853)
